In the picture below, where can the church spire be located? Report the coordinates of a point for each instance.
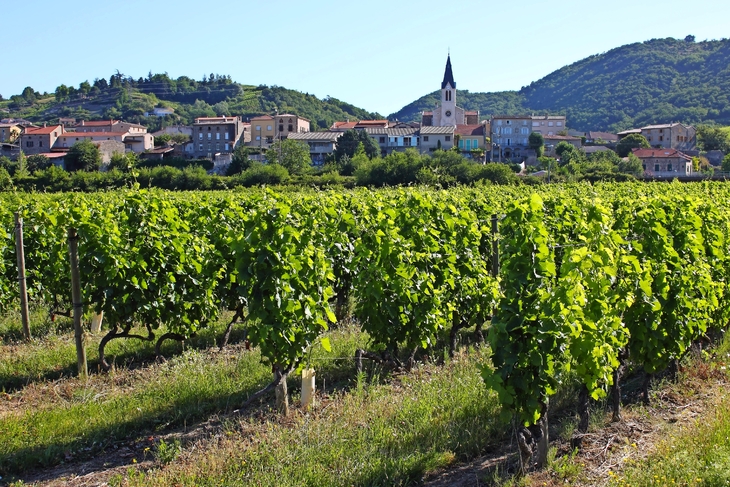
(448, 75)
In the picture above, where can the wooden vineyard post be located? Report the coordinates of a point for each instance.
(73, 252)
(495, 247)
(20, 253)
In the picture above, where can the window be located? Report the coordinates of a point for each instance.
(218, 136)
(258, 137)
(669, 167)
(209, 147)
(201, 136)
(225, 136)
(268, 127)
(461, 143)
(226, 147)
(291, 128)
(382, 140)
(656, 167)
(524, 122)
(210, 136)
(661, 138)
(643, 166)
(550, 133)
(509, 122)
(258, 128)
(407, 141)
(281, 128)
(269, 140)
(40, 143)
(447, 95)
(468, 144)
(524, 131)
(217, 146)
(560, 124)
(535, 124)
(499, 122)
(447, 138)
(29, 143)
(200, 147)
(550, 124)
(509, 141)
(425, 138)
(507, 131)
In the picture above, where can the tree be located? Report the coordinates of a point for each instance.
(6, 181)
(239, 161)
(84, 88)
(726, 164)
(713, 138)
(28, 95)
(291, 154)
(348, 143)
(123, 162)
(537, 143)
(61, 93)
(632, 165)
(38, 162)
(569, 153)
(630, 142)
(689, 38)
(83, 156)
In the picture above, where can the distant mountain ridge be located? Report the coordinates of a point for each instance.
(656, 81)
(123, 97)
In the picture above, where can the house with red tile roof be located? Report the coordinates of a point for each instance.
(37, 140)
(665, 163)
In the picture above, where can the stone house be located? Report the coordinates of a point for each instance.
(213, 136)
(664, 162)
(37, 140)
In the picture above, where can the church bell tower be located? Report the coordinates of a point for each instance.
(448, 96)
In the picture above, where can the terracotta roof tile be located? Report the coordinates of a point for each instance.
(42, 130)
(94, 134)
(659, 153)
(469, 129)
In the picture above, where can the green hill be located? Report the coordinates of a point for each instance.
(661, 80)
(126, 98)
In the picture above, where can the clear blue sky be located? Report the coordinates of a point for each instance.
(378, 55)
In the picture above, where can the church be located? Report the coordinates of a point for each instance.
(446, 113)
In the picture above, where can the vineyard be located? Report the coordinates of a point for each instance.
(566, 284)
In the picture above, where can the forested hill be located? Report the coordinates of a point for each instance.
(123, 97)
(661, 80)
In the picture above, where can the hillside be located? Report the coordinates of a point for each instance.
(660, 80)
(126, 98)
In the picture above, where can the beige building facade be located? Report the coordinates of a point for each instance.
(670, 136)
(548, 125)
(434, 138)
(9, 132)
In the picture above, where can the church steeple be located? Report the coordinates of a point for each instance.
(448, 75)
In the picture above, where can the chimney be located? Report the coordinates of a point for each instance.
(82, 123)
(44, 124)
